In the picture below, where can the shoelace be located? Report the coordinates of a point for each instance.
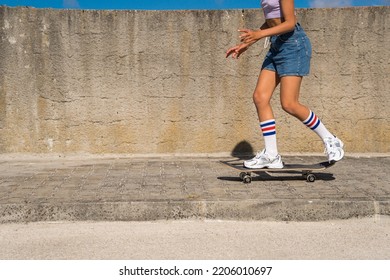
(265, 157)
(259, 156)
(262, 154)
(328, 147)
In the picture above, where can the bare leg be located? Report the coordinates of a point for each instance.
(266, 84)
(269, 157)
(289, 97)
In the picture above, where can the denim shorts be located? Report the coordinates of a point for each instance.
(289, 54)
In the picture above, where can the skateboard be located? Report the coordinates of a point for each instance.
(305, 169)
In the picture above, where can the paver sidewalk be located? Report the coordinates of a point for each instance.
(184, 187)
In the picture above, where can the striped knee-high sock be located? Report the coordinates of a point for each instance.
(314, 123)
(269, 133)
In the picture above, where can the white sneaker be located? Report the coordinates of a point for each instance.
(334, 148)
(263, 160)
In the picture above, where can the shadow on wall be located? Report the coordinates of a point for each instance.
(242, 150)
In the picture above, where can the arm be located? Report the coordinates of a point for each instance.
(240, 48)
(287, 6)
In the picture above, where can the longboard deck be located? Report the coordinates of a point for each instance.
(305, 169)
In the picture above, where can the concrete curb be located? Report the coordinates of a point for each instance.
(287, 210)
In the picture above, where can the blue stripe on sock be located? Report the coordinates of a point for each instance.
(269, 133)
(316, 125)
(267, 124)
(310, 118)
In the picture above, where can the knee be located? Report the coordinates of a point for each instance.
(290, 107)
(260, 99)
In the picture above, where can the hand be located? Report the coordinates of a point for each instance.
(250, 36)
(237, 50)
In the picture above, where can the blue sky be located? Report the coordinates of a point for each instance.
(181, 4)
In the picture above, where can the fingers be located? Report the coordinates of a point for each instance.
(236, 51)
(232, 51)
(245, 37)
(245, 33)
(229, 52)
(234, 54)
(244, 30)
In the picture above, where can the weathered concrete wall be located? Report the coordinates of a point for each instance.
(157, 82)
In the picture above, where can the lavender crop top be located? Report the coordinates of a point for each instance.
(271, 9)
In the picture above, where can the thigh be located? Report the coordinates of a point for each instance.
(289, 88)
(289, 97)
(267, 82)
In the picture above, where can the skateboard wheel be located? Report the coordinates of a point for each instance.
(242, 175)
(310, 178)
(247, 179)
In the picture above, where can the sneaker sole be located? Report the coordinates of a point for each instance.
(339, 157)
(264, 166)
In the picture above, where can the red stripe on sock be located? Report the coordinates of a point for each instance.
(313, 122)
(268, 128)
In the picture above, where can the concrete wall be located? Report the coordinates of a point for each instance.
(74, 81)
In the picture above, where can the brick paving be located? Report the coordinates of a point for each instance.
(150, 188)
